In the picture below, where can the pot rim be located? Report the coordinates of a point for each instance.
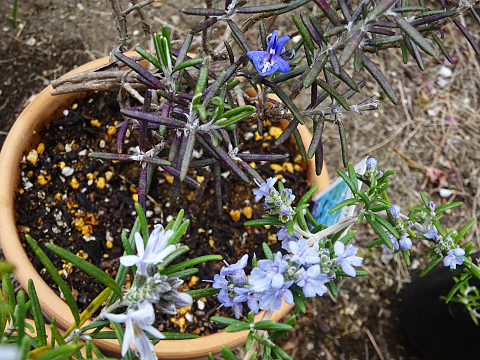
(23, 135)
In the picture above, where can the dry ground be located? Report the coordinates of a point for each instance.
(435, 126)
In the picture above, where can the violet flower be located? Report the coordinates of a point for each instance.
(346, 258)
(286, 238)
(313, 282)
(264, 189)
(251, 297)
(154, 253)
(268, 62)
(136, 322)
(227, 299)
(454, 258)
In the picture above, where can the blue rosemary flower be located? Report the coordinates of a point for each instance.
(454, 258)
(272, 300)
(432, 233)
(264, 189)
(251, 297)
(303, 254)
(313, 282)
(268, 274)
(346, 258)
(268, 62)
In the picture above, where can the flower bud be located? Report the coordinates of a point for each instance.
(395, 211)
(151, 269)
(371, 163)
(431, 205)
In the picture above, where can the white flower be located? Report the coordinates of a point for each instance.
(155, 251)
(346, 257)
(136, 322)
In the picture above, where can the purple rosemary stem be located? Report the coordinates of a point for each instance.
(217, 177)
(142, 187)
(122, 132)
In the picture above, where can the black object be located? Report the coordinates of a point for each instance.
(438, 330)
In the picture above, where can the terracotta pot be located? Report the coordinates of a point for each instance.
(23, 137)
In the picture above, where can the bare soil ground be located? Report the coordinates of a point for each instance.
(433, 131)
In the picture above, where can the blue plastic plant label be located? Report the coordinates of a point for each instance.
(331, 196)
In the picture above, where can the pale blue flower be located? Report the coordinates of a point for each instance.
(155, 252)
(454, 258)
(405, 242)
(272, 300)
(313, 282)
(303, 253)
(10, 352)
(136, 322)
(346, 257)
(285, 210)
(248, 295)
(264, 188)
(268, 62)
(286, 238)
(236, 271)
(227, 300)
(268, 274)
(219, 282)
(432, 233)
(395, 211)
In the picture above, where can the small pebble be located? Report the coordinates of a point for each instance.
(101, 182)
(67, 171)
(445, 72)
(235, 215)
(189, 317)
(445, 193)
(42, 180)
(61, 165)
(275, 131)
(65, 112)
(95, 123)
(111, 130)
(83, 152)
(109, 244)
(276, 167)
(108, 175)
(201, 305)
(68, 148)
(135, 197)
(33, 157)
(40, 148)
(74, 106)
(102, 143)
(248, 212)
(169, 218)
(200, 179)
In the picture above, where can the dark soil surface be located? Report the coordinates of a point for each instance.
(83, 204)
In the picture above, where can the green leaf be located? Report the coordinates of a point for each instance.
(260, 222)
(195, 294)
(187, 63)
(333, 288)
(20, 315)
(87, 267)
(424, 199)
(228, 354)
(353, 176)
(37, 315)
(415, 35)
(189, 263)
(225, 321)
(347, 202)
(436, 259)
(351, 184)
(374, 243)
(149, 57)
(333, 92)
(298, 297)
(380, 232)
(406, 256)
(365, 199)
(268, 253)
(464, 230)
(183, 273)
(307, 196)
(456, 287)
(447, 206)
(339, 272)
(388, 226)
(237, 327)
(379, 207)
(271, 325)
(143, 222)
(304, 33)
(52, 271)
(7, 289)
(175, 238)
(315, 69)
(288, 103)
(349, 236)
